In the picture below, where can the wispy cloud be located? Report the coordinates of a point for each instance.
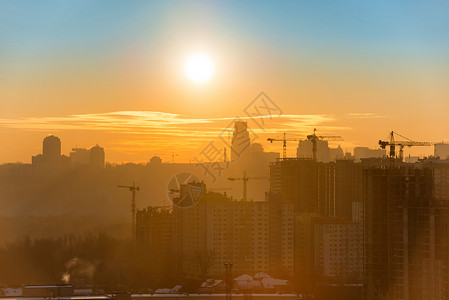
(137, 122)
(364, 115)
(149, 130)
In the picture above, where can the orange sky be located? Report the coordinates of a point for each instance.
(116, 78)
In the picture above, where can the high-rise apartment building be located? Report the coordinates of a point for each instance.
(154, 230)
(441, 150)
(218, 229)
(324, 152)
(240, 147)
(303, 252)
(348, 187)
(280, 237)
(326, 249)
(337, 250)
(306, 184)
(79, 156)
(51, 148)
(96, 157)
(51, 152)
(93, 157)
(405, 234)
(365, 152)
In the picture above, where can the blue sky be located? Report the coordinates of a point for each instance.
(386, 59)
(70, 27)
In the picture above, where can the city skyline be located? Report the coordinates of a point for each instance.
(143, 134)
(113, 73)
(210, 149)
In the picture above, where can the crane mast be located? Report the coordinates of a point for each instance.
(133, 189)
(245, 179)
(392, 143)
(315, 138)
(311, 137)
(284, 143)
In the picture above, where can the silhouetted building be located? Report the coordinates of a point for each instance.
(365, 152)
(280, 236)
(305, 150)
(260, 160)
(336, 153)
(326, 249)
(79, 156)
(324, 152)
(306, 184)
(337, 250)
(441, 179)
(51, 158)
(258, 167)
(348, 187)
(154, 230)
(303, 252)
(96, 157)
(411, 159)
(51, 149)
(441, 150)
(51, 152)
(93, 157)
(218, 229)
(155, 160)
(240, 149)
(405, 234)
(326, 202)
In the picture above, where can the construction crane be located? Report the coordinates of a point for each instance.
(133, 189)
(314, 138)
(284, 145)
(245, 183)
(392, 143)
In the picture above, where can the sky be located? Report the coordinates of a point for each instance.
(112, 73)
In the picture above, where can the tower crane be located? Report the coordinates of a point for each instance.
(245, 183)
(133, 189)
(284, 145)
(392, 143)
(245, 179)
(314, 138)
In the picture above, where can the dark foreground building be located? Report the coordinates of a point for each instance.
(406, 234)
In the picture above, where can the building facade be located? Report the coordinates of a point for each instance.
(218, 229)
(405, 234)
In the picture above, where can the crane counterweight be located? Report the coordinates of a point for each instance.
(392, 143)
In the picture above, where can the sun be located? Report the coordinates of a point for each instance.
(199, 68)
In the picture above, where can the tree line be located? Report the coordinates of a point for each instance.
(96, 260)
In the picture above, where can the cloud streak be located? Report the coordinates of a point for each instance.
(137, 122)
(364, 115)
(139, 131)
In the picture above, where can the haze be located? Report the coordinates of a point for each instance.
(76, 69)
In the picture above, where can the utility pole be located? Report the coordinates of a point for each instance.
(228, 268)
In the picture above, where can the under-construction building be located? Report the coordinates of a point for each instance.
(154, 230)
(308, 185)
(405, 233)
(326, 201)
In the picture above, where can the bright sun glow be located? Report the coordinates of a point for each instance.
(199, 68)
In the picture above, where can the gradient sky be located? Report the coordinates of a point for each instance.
(111, 72)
